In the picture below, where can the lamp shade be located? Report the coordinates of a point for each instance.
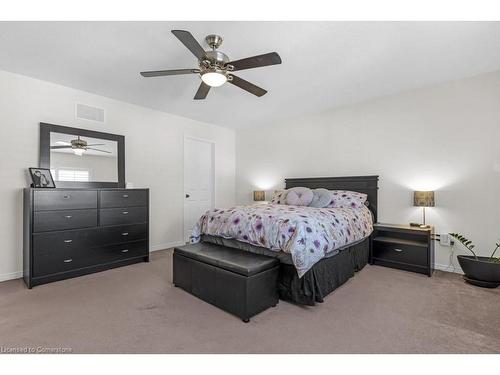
(259, 195)
(423, 198)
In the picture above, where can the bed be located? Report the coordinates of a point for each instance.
(306, 275)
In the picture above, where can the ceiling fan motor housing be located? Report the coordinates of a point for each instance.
(215, 61)
(214, 41)
(78, 143)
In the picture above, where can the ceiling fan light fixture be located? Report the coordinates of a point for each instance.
(214, 79)
(78, 151)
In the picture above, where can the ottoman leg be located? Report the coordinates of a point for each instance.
(246, 320)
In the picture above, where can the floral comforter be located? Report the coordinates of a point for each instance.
(307, 233)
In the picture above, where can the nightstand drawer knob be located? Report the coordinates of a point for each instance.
(398, 250)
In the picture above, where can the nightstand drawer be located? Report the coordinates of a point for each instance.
(401, 253)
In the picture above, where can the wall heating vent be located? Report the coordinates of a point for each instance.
(86, 112)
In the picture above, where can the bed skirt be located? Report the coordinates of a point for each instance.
(324, 277)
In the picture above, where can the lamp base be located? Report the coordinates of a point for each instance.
(418, 225)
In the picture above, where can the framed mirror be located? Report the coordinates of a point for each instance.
(82, 158)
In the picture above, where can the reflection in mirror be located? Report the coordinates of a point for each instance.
(83, 159)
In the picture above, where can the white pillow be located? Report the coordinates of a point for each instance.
(299, 196)
(322, 198)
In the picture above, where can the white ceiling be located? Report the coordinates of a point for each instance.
(325, 64)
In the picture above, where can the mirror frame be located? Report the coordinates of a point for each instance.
(46, 129)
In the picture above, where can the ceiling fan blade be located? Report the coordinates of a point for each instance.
(95, 149)
(59, 147)
(64, 143)
(172, 72)
(97, 144)
(247, 86)
(190, 42)
(202, 91)
(256, 61)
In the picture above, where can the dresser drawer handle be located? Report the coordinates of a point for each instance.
(68, 241)
(125, 212)
(398, 250)
(125, 234)
(68, 216)
(67, 260)
(67, 196)
(125, 195)
(125, 251)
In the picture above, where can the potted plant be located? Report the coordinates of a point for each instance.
(480, 271)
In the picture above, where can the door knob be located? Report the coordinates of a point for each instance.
(187, 195)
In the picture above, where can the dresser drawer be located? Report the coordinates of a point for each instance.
(61, 261)
(123, 233)
(64, 199)
(63, 241)
(127, 215)
(123, 198)
(401, 253)
(121, 251)
(61, 220)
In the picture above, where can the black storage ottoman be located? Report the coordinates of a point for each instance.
(241, 283)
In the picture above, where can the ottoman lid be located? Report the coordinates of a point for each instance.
(230, 259)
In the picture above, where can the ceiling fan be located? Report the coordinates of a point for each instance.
(79, 146)
(214, 67)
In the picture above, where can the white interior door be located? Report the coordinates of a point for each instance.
(199, 181)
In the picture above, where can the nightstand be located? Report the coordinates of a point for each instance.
(403, 247)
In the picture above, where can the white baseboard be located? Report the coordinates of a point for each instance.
(166, 245)
(448, 268)
(11, 276)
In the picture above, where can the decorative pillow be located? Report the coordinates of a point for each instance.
(322, 198)
(299, 196)
(347, 199)
(279, 197)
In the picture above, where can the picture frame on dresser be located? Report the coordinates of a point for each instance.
(41, 178)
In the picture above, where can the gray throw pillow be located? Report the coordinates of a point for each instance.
(321, 198)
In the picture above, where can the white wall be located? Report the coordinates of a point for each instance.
(153, 146)
(444, 138)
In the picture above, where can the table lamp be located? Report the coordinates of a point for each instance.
(423, 199)
(259, 195)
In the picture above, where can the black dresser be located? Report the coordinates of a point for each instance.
(73, 232)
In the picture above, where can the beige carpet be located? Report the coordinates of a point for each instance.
(136, 309)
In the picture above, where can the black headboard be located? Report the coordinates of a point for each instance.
(362, 184)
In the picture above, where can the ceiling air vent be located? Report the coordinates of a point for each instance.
(86, 112)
